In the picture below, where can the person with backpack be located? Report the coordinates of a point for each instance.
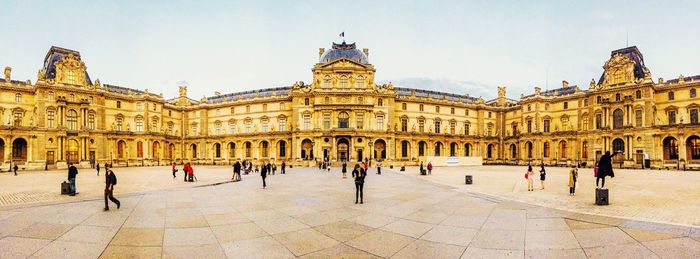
(109, 189)
(72, 174)
(430, 168)
(529, 174)
(359, 174)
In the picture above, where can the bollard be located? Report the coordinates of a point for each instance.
(601, 197)
(468, 179)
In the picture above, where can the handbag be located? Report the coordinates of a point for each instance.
(595, 171)
(526, 175)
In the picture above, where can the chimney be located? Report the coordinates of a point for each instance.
(8, 71)
(565, 84)
(366, 51)
(321, 51)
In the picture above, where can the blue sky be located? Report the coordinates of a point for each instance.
(456, 46)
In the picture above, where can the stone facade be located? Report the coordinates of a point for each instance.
(65, 117)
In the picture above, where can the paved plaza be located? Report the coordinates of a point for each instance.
(311, 214)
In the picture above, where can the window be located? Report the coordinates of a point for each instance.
(217, 150)
(281, 106)
(404, 149)
(327, 100)
(671, 117)
(327, 120)
(638, 94)
(217, 127)
(139, 106)
(344, 81)
(565, 123)
(282, 145)
(380, 122)
(120, 122)
(421, 148)
(694, 116)
(343, 120)
(171, 126)
(50, 96)
(599, 99)
(529, 107)
(50, 114)
(438, 148)
(599, 121)
(584, 122)
(248, 126)
(404, 124)
(515, 128)
(529, 126)
(452, 110)
(154, 124)
(546, 106)
(437, 109)
(638, 118)
(247, 108)
(546, 125)
(437, 127)
(584, 150)
(421, 125)
(466, 128)
(233, 110)
(119, 104)
(90, 100)
(403, 106)
(70, 77)
(566, 105)
(18, 97)
(489, 130)
(91, 120)
(306, 101)
(139, 149)
(617, 97)
(18, 118)
(693, 93)
(282, 123)
(170, 113)
(585, 102)
(360, 120)
(453, 124)
(618, 119)
(265, 124)
(693, 145)
(231, 127)
(139, 124)
(671, 96)
(264, 107)
(380, 102)
(545, 149)
(420, 107)
(489, 115)
(360, 82)
(72, 119)
(360, 100)
(466, 112)
(307, 121)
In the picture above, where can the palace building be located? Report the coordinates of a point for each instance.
(342, 114)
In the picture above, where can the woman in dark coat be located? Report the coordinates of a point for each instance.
(604, 168)
(543, 174)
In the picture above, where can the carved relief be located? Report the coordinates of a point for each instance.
(70, 70)
(619, 69)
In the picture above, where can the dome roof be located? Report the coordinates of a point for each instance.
(343, 50)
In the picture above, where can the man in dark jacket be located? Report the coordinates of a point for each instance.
(605, 168)
(359, 174)
(109, 189)
(72, 173)
(263, 174)
(236, 171)
(284, 165)
(16, 168)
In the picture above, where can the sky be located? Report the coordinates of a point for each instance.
(454, 46)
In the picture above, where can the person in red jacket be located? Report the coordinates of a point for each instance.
(430, 168)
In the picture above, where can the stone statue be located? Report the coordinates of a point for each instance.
(183, 91)
(114, 126)
(8, 72)
(501, 91)
(128, 127)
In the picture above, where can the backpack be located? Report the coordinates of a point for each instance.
(114, 177)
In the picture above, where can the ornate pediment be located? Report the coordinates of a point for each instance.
(619, 69)
(71, 70)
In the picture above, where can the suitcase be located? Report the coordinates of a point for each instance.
(65, 188)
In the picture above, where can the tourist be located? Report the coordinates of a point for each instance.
(328, 166)
(344, 169)
(190, 173)
(604, 168)
(98, 169)
(284, 165)
(250, 167)
(236, 171)
(269, 168)
(320, 164)
(379, 167)
(185, 170)
(173, 169)
(72, 174)
(365, 165)
(16, 168)
(274, 168)
(528, 176)
(421, 168)
(573, 176)
(430, 168)
(109, 189)
(359, 175)
(263, 174)
(543, 173)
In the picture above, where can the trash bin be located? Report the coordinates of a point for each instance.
(647, 163)
(467, 179)
(601, 197)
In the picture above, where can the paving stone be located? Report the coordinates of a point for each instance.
(381, 243)
(628, 250)
(675, 248)
(19, 247)
(138, 237)
(485, 253)
(602, 237)
(499, 239)
(343, 230)
(427, 249)
(43, 231)
(264, 247)
(408, 228)
(305, 241)
(64, 249)
(144, 252)
(235, 232)
(213, 251)
(450, 235)
(188, 236)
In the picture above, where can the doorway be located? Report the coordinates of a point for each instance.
(72, 151)
(343, 149)
(50, 160)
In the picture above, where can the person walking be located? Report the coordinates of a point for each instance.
(72, 174)
(97, 167)
(430, 168)
(284, 166)
(274, 168)
(573, 177)
(359, 174)
(185, 170)
(269, 168)
(528, 176)
(379, 167)
(421, 168)
(543, 173)
(604, 168)
(263, 174)
(190, 173)
(173, 169)
(250, 167)
(344, 169)
(109, 189)
(236, 171)
(16, 168)
(366, 165)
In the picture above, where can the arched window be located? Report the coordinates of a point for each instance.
(327, 82)
(670, 148)
(282, 146)
(380, 102)
(343, 120)
(638, 94)
(421, 148)
(618, 119)
(72, 119)
(231, 150)
(217, 150)
(467, 149)
(50, 96)
(248, 147)
(194, 151)
(584, 150)
(562, 150)
(404, 149)
(360, 82)
(344, 81)
(438, 148)
(529, 149)
(693, 146)
(513, 151)
(453, 149)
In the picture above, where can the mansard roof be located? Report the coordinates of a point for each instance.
(250, 94)
(633, 54)
(404, 91)
(55, 54)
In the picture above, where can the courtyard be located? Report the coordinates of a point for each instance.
(307, 213)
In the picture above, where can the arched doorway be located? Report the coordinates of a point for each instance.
(193, 149)
(231, 150)
(264, 149)
(171, 151)
(343, 149)
(670, 148)
(438, 148)
(467, 149)
(421, 148)
(529, 149)
(453, 149)
(513, 151)
(693, 148)
(619, 147)
(307, 149)
(121, 149)
(72, 152)
(19, 150)
(380, 149)
(247, 146)
(562, 149)
(405, 149)
(155, 150)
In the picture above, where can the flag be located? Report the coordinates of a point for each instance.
(342, 34)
